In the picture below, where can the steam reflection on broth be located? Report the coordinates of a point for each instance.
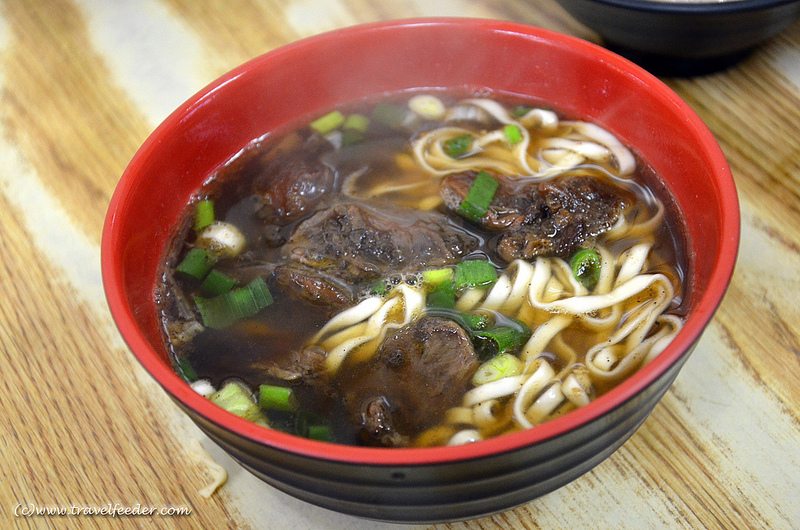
(423, 270)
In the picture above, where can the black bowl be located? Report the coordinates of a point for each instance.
(684, 38)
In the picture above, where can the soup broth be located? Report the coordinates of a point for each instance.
(423, 269)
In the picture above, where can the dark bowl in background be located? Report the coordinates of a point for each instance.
(684, 38)
(308, 77)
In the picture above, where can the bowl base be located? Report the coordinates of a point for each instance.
(668, 66)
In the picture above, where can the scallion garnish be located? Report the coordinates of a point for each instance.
(196, 263)
(427, 106)
(320, 433)
(329, 122)
(499, 340)
(185, 369)
(474, 273)
(444, 295)
(479, 197)
(356, 122)
(585, 266)
(354, 129)
(520, 111)
(216, 283)
(310, 425)
(513, 134)
(223, 310)
(351, 136)
(505, 365)
(475, 322)
(203, 214)
(234, 398)
(437, 276)
(470, 322)
(458, 146)
(273, 397)
(380, 287)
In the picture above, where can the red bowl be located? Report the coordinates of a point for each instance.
(309, 76)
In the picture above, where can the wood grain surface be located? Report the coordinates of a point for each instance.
(83, 427)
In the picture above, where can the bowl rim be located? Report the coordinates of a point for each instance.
(179, 390)
(713, 8)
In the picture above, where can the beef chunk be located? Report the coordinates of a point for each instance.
(289, 188)
(319, 289)
(356, 243)
(418, 373)
(543, 218)
(306, 366)
(286, 182)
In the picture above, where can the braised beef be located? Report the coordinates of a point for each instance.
(543, 218)
(312, 286)
(280, 184)
(417, 374)
(304, 366)
(356, 243)
(289, 188)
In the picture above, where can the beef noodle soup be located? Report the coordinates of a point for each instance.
(427, 269)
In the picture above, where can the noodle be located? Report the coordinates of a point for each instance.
(578, 144)
(548, 284)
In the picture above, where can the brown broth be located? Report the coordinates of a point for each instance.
(244, 349)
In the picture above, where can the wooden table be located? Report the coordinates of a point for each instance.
(83, 427)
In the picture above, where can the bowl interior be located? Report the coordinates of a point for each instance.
(310, 76)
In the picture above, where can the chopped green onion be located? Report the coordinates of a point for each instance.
(479, 197)
(380, 287)
(585, 266)
(309, 425)
(458, 146)
(499, 340)
(520, 110)
(222, 239)
(390, 115)
(444, 296)
(203, 214)
(216, 283)
(354, 129)
(321, 433)
(513, 134)
(356, 122)
(474, 273)
(437, 276)
(223, 310)
(470, 322)
(234, 398)
(196, 263)
(475, 322)
(504, 365)
(427, 106)
(329, 122)
(272, 397)
(301, 423)
(351, 136)
(185, 369)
